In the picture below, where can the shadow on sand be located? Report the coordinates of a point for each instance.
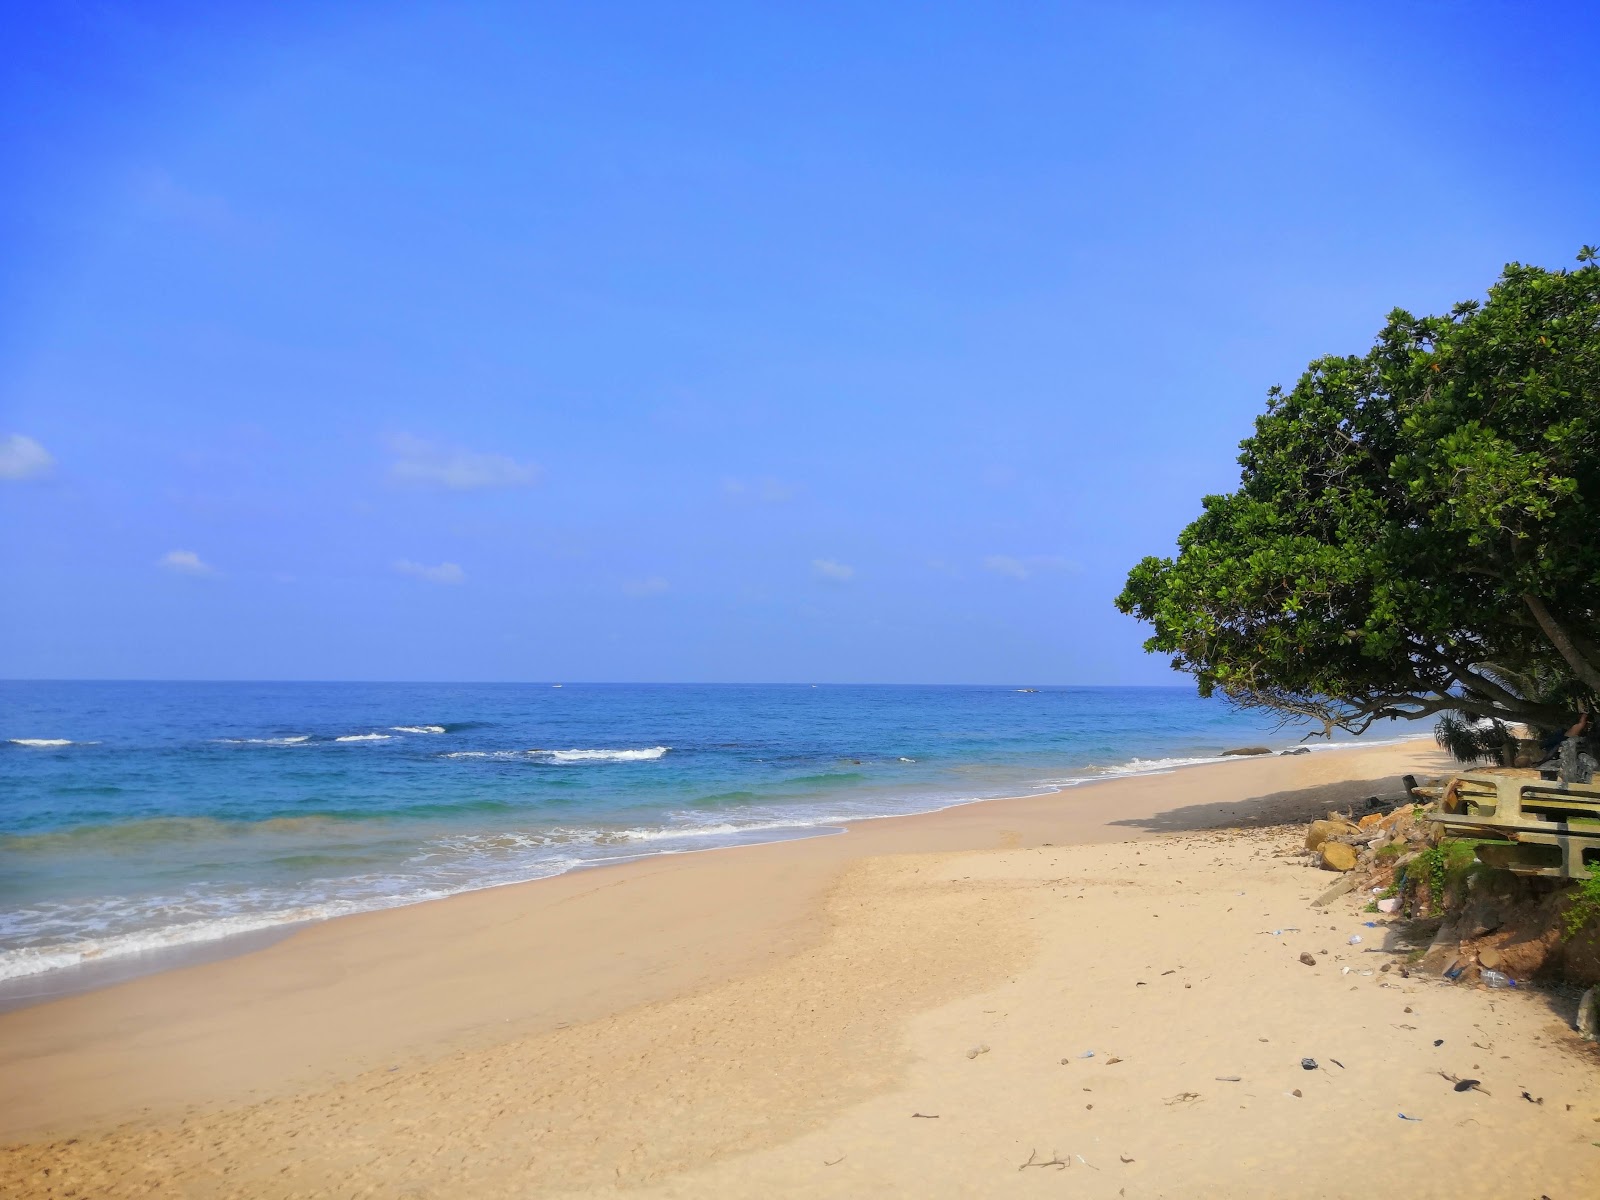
(1299, 806)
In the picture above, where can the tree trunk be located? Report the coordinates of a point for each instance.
(1559, 638)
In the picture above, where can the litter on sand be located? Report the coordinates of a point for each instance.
(1403, 1117)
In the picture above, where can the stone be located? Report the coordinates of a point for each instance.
(1589, 1016)
(1321, 831)
(1336, 856)
(1490, 958)
(1371, 819)
(1328, 897)
(1305, 957)
(1247, 750)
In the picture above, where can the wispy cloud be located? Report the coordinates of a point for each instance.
(447, 572)
(765, 490)
(833, 572)
(23, 458)
(652, 586)
(422, 463)
(1025, 568)
(185, 562)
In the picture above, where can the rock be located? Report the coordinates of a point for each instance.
(1246, 750)
(1370, 820)
(1336, 856)
(1389, 904)
(1296, 750)
(1305, 957)
(1589, 1016)
(1333, 893)
(1321, 831)
(1490, 958)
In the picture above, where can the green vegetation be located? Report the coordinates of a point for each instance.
(1444, 869)
(1413, 531)
(1585, 907)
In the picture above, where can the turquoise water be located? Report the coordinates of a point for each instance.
(138, 816)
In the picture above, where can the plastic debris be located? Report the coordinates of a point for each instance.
(1389, 905)
(1355, 939)
(1466, 1085)
(1228, 1079)
(1370, 924)
(1403, 1117)
(1087, 1054)
(1496, 979)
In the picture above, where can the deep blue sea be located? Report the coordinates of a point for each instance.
(138, 816)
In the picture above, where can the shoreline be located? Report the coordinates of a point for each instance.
(1111, 980)
(108, 969)
(341, 996)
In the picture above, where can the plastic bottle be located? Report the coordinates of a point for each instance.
(1496, 979)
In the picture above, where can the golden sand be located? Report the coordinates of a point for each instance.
(907, 1010)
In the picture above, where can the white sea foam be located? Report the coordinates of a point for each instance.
(566, 756)
(277, 741)
(572, 756)
(365, 737)
(417, 728)
(45, 743)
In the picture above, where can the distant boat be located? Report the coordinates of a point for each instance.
(555, 685)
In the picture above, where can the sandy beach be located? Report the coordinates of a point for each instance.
(1103, 982)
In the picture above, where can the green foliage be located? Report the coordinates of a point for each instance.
(1414, 530)
(1444, 868)
(1585, 907)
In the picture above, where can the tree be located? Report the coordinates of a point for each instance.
(1416, 530)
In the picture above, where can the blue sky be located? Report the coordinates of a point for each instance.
(704, 342)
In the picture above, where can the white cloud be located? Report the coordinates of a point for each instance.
(185, 562)
(1024, 568)
(835, 572)
(427, 464)
(448, 572)
(23, 458)
(765, 490)
(653, 586)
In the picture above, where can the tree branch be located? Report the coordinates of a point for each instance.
(1562, 641)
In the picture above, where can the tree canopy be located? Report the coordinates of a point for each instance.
(1416, 530)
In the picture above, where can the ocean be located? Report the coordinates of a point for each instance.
(138, 817)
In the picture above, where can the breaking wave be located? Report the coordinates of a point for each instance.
(418, 728)
(566, 756)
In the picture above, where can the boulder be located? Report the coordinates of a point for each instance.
(1321, 831)
(1589, 1016)
(1337, 856)
(1244, 750)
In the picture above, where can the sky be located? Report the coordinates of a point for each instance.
(699, 342)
